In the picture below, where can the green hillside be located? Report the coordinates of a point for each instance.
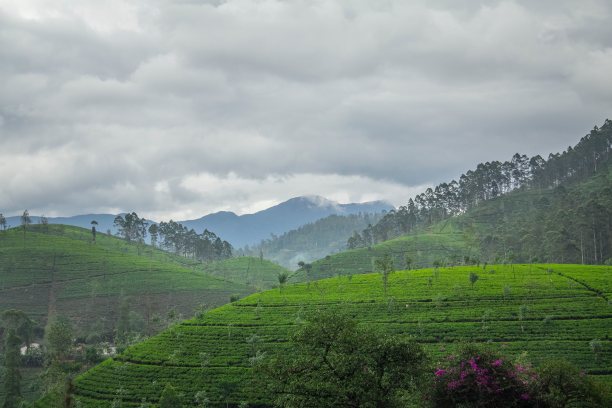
(422, 249)
(545, 310)
(253, 272)
(541, 224)
(56, 270)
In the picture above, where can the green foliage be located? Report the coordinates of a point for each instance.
(170, 398)
(385, 267)
(473, 278)
(282, 279)
(12, 376)
(561, 384)
(59, 336)
(337, 363)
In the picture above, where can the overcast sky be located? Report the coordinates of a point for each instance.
(180, 108)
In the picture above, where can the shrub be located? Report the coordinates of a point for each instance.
(169, 398)
(561, 384)
(480, 378)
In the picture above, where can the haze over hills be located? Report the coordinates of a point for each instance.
(241, 230)
(249, 229)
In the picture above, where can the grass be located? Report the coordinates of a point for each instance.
(543, 310)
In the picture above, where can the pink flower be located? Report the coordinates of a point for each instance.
(525, 396)
(439, 372)
(473, 364)
(497, 363)
(453, 385)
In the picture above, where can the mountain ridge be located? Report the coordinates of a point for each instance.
(240, 230)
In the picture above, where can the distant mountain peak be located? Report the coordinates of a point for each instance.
(248, 229)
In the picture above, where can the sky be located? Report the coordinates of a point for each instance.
(176, 109)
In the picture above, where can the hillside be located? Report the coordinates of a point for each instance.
(544, 310)
(58, 271)
(521, 226)
(570, 191)
(253, 272)
(312, 241)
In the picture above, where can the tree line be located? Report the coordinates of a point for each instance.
(494, 179)
(174, 237)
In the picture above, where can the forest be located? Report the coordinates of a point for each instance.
(579, 226)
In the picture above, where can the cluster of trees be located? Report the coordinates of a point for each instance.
(490, 180)
(174, 237)
(568, 225)
(55, 358)
(131, 227)
(181, 240)
(335, 362)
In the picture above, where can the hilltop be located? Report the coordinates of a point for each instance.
(544, 310)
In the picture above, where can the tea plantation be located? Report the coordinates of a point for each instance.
(57, 269)
(545, 311)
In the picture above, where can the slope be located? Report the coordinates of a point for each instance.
(312, 241)
(521, 226)
(56, 270)
(253, 272)
(545, 310)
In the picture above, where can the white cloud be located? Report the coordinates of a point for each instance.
(184, 107)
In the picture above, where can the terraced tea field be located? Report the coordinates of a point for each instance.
(423, 248)
(546, 311)
(258, 273)
(61, 272)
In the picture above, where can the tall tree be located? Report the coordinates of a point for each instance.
(25, 221)
(337, 363)
(384, 266)
(2, 222)
(93, 223)
(12, 376)
(153, 231)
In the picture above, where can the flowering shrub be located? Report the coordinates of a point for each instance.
(479, 378)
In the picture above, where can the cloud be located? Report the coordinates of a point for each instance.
(183, 107)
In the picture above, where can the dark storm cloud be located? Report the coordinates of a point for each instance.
(177, 108)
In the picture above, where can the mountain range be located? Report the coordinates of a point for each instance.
(241, 230)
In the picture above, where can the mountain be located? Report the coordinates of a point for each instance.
(250, 229)
(240, 230)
